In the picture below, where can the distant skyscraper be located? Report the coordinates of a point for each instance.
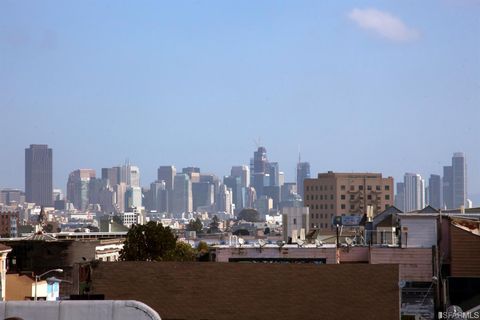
(447, 187)
(435, 191)
(243, 172)
(400, 196)
(133, 176)
(414, 192)
(459, 168)
(260, 163)
(167, 174)
(225, 203)
(182, 194)
(113, 175)
(78, 187)
(274, 172)
(203, 194)
(38, 175)
(303, 172)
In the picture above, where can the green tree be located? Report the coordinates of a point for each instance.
(149, 242)
(203, 251)
(249, 215)
(195, 225)
(182, 252)
(214, 225)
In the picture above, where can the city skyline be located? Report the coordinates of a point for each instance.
(196, 85)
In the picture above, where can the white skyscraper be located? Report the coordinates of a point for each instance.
(414, 192)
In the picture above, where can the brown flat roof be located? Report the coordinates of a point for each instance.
(254, 291)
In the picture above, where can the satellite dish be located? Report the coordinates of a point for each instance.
(349, 241)
(318, 243)
(241, 241)
(280, 243)
(300, 242)
(402, 284)
(261, 243)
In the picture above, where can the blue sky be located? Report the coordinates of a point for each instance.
(374, 86)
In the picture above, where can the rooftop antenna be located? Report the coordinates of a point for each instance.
(258, 142)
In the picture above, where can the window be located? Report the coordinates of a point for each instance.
(387, 206)
(294, 220)
(313, 225)
(331, 206)
(378, 188)
(352, 207)
(331, 197)
(369, 187)
(308, 188)
(343, 206)
(352, 197)
(321, 216)
(321, 225)
(321, 206)
(316, 206)
(352, 188)
(342, 187)
(342, 197)
(308, 198)
(369, 197)
(387, 188)
(360, 187)
(331, 187)
(321, 197)
(312, 215)
(316, 188)
(387, 197)
(316, 197)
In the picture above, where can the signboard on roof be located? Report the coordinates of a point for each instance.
(348, 221)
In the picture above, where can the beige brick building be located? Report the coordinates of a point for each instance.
(332, 194)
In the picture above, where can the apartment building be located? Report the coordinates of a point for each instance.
(333, 194)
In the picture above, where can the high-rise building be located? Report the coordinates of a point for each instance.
(78, 187)
(235, 185)
(225, 203)
(259, 169)
(274, 172)
(113, 175)
(182, 194)
(243, 172)
(333, 194)
(133, 197)
(435, 191)
(459, 170)
(120, 190)
(414, 192)
(167, 174)
(203, 194)
(157, 197)
(400, 196)
(447, 187)
(303, 172)
(38, 174)
(133, 176)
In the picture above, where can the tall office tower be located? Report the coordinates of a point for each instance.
(235, 185)
(77, 187)
(332, 194)
(193, 173)
(274, 172)
(447, 181)
(157, 196)
(414, 192)
(120, 190)
(113, 175)
(303, 172)
(12, 196)
(167, 174)
(133, 197)
(225, 203)
(133, 175)
(259, 169)
(107, 199)
(203, 194)
(435, 191)
(38, 174)
(287, 190)
(243, 172)
(95, 186)
(459, 170)
(182, 194)
(400, 196)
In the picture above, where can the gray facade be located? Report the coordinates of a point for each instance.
(38, 175)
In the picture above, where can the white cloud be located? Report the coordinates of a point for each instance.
(383, 24)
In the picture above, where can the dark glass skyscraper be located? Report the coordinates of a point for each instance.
(38, 175)
(259, 171)
(303, 172)
(435, 191)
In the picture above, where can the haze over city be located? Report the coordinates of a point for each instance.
(165, 84)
